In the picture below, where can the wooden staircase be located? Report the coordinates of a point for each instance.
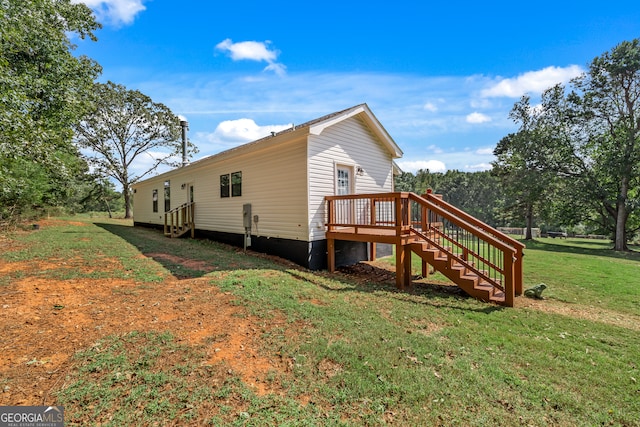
(180, 221)
(482, 261)
(472, 282)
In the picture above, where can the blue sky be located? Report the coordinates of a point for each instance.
(440, 76)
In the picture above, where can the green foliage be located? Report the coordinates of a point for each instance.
(123, 125)
(95, 194)
(521, 166)
(601, 117)
(43, 86)
(477, 193)
(576, 158)
(28, 188)
(43, 92)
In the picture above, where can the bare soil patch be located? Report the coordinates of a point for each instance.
(44, 322)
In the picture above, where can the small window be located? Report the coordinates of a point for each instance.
(236, 184)
(155, 200)
(224, 185)
(167, 196)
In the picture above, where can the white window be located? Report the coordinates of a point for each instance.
(343, 180)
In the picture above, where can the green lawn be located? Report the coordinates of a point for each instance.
(366, 354)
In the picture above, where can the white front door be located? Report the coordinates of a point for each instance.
(344, 186)
(343, 181)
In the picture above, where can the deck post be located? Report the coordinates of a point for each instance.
(400, 254)
(372, 251)
(509, 279)
(403, 266)
(518, 277)
(407, 268)
(424, 224)
(331, 255)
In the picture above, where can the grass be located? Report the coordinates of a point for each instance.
(364, 353)
(586, 272)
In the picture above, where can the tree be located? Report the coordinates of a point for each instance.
(43, 88)
(522, 164)
(597, 134)
(607, 103)
(124, 125)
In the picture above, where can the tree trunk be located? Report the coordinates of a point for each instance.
(106, 202)
(529, 218)
(127, 202)
(621, 218)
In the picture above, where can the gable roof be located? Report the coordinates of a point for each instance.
(317, 126)
(312, 127)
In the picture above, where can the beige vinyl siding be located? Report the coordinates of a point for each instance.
(273, 182)
(143, 196)
(348, 143)
(143, 203)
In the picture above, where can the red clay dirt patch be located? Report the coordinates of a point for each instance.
(44, 322)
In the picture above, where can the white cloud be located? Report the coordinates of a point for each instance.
(532, 82)
(484, 151)
(117, 12)
(414, 166)
(476, 118)
(231, 133)
(430, 106)
(253, 51)
(478, 167)
(434, 149)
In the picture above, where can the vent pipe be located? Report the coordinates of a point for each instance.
(185, 126)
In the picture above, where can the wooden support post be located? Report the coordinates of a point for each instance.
(407, 268)
(372, 251)
(509, 288)
(425, 269)
(403, 267)
(400, 254)
(331, 255)
(518, 277)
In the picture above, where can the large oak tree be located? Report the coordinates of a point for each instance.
(123, 126)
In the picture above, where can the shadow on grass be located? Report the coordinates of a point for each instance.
(577, 246)
(427, 293)
(184, 258)
(194, 258)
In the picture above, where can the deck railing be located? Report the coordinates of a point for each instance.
(491, 255)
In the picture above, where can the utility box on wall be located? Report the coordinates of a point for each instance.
(246, 216)
(246, 221)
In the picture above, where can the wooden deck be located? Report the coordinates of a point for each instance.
(486, 263)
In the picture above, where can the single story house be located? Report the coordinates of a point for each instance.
(270, 193)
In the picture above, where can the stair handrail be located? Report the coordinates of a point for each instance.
(497, 235)
(187, 218)
(511, 248)
(466, 264)
(177, 208)
(463, 223)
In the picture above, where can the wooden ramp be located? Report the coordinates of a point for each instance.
(482, 261)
